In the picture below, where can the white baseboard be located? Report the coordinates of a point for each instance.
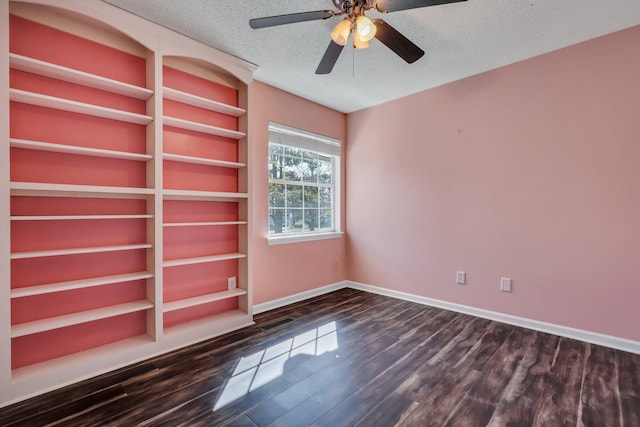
(564, 331)
(281, 302)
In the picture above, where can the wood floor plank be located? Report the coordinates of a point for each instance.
(489, 344)
(202, 410)
(560, 396)
(470, 413)
(600, 400)
(630, 406)
(522, 396)
(447, 386)
(388, 412)
(240, 421)
(441, 383)
(285, 401)
(420, 385)
(478, 406)
(497, 373)
(629, 377)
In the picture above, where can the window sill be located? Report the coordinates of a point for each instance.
(303, 238)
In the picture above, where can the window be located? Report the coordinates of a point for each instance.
(304, 185)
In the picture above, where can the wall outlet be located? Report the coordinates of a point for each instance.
(231, 282)
(461, 277)
(505, 284)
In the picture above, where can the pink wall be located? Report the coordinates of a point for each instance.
(531, 171)
(283, 270)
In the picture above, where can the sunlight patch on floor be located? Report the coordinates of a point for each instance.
(264, 366)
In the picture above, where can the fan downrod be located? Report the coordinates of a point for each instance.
(347, 6)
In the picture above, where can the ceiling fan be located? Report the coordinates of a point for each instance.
(362, 27)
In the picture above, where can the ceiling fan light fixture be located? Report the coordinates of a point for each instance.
(365, 29)
(358, 43)
(341, 32)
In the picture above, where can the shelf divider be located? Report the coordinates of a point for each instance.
(202, 128)
(72, 149)
(29, 328)
(203, 195)
(47, 101)
(76, 217)
(203, 223)
(202, 161)
(73, 190)
(203, 299)
(198, 101)
(77, 251)
(201, 260)
(49, 288)
(46, 69)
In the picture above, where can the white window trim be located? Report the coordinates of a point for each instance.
(309, 237)
(286, 135)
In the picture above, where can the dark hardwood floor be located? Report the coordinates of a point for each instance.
(354, 358)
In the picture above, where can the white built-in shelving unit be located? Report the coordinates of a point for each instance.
(139, 39)
(185, 195)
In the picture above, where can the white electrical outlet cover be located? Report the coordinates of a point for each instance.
(461, 277)
(505, 284)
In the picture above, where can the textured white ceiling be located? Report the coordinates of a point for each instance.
(460, 40)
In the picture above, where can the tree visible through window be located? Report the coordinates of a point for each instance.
(302, 182)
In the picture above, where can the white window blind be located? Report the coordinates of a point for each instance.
(285, 135)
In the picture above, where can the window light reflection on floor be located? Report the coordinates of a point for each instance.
(266, 365)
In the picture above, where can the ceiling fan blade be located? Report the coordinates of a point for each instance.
(272, 21)
(394, 40)
(396, 5)
(329, 58)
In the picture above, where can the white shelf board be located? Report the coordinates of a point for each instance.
(77, 251)
(198, 101)
(49, 288)
(46, 69)
(28, 328)
(210, 326)
(73, 190)
(71, 149)
(202, 128)
(204, 223)
(47, 101)
(203, 299)
(202, 161)
(86, 363)
(75, 217)
(203, 195)
(201, 260)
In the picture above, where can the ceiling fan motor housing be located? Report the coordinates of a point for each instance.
(353, 7)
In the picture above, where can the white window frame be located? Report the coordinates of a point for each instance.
(292, 137)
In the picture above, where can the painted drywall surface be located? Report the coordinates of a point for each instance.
(531, 171)
(283, 270)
